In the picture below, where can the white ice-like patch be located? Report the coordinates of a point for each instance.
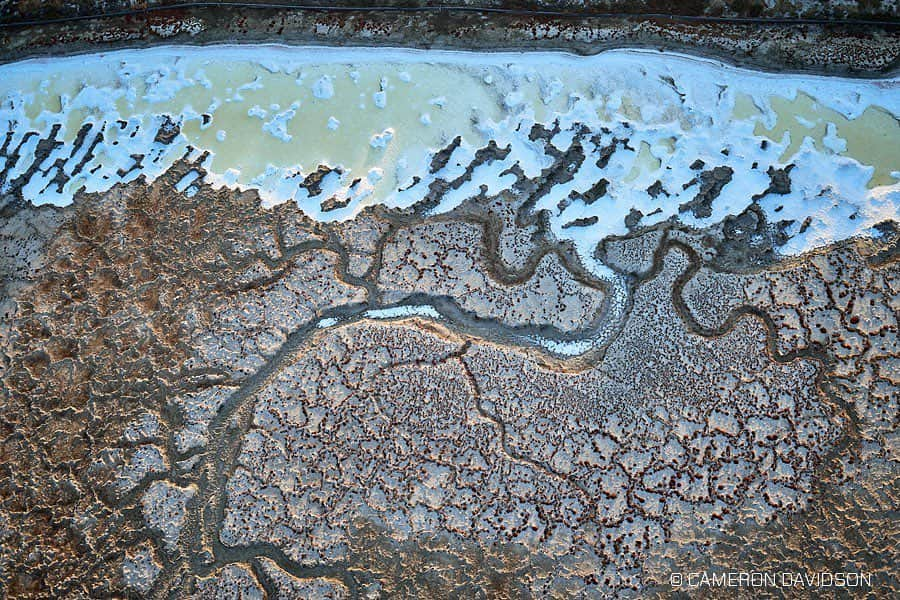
(567, 348)
(327, 322)
(400, 312)
(551, 89)
(323, 88)
(380, 140)
(185, 182)
(277, 126)
(832, 141)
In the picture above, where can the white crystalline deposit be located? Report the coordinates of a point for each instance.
(323, 88)
(387, 111)
(400, 312)
(164, 507)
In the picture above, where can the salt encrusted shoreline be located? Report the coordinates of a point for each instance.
(212, 395)
(669, 112)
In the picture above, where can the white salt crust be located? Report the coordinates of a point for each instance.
(379, 115)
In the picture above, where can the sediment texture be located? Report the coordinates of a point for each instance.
(198, 399)
(203, 395)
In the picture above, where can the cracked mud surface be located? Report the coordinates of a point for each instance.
(197, 402)
(201, 397)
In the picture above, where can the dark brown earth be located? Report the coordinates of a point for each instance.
(828, 42)
(136, 306)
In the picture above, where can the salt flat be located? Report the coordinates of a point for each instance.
(316, 322)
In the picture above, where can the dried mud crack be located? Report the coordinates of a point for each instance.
(483, 389)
